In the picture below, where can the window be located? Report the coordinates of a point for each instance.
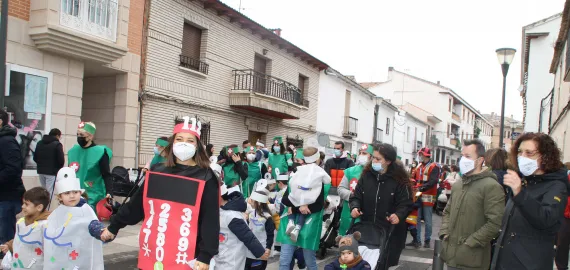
(191, 43)
(28, 103)
(448, 131)
(387, 126)
(379, 135)
(408, 134)
(450, 102)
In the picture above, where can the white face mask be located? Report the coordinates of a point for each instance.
(466, 165)
(250, 157)
(362, 159)
(184, 151)
(527, 166)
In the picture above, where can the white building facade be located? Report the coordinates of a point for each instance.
(537, 43)
(457, 117)
(345, 111)
(385, 114)
(409, 135)
(559, 127)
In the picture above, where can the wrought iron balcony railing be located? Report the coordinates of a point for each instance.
(268, 85)
(350, 127)
(193, 64)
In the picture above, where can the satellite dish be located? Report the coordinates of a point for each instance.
(323, 139)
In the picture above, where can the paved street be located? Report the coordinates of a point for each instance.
(121, 254)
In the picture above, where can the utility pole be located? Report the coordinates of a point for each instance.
(3, 38)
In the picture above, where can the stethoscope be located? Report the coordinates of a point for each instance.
(69, 215)
(21, 237)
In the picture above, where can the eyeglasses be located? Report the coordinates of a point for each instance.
(527, 153)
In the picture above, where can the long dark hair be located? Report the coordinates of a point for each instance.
(261, 208)
(209, 148)
(396, 169)
(283, 149)
(200, 157)
(496, 158)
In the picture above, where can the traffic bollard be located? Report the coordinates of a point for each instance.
(437, 261)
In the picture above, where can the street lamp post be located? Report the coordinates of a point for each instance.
(505, 56)
(513, 125)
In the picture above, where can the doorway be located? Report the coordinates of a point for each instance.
(260, 69)
(254, 136)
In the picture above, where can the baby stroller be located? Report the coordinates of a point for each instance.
(125, 183)
(331, 224)
(373, 244)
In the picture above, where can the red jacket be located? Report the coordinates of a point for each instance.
(567, 210)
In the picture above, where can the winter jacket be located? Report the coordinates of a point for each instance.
(207, 242)
(335, 169)
(49, 155)
(335, 265)
(451, 178)
(531, 221)
(377, 194)
(471, 220)
(567, 210)
(11, 166)
(306, 184)
(500, 176)
(235, 236)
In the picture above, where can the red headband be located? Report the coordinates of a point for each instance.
(180, 128)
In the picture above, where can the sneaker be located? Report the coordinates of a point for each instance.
(294, 234)
(290, 227)
(427, 245)
(413, 244)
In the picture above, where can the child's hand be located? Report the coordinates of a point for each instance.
(304, 210)
(201, 266)
(265, 256)
(106, 235)
(4, 248)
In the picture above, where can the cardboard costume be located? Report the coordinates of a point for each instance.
(171, 203)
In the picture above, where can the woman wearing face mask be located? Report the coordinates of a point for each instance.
(349, 182)
(91, 163)
(383, 195)
(535, 210)
(158, 150)
(185, 156)
(255, 170)
(277, 157)
(235, 170)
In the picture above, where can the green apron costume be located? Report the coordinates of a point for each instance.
(277, 161)
(310, 234)
(253, 175)
(86, 163)
(231, 177)
(345, 218)
(289, 158)
(158, 158)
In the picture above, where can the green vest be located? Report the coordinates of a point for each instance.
(310, 235)
(231, 177)
(157, 159)
(87, 159)
(277, 161)
(289, 159)
(253, 175)
(351, 174)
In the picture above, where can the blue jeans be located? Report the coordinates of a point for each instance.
(8, 212)
(426, 212)
(286, 256)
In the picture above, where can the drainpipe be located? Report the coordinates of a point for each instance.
(3, 40)
(142, 77)
(376, 107)
(542, 110)
(551, 101)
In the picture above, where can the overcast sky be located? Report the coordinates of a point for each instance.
(439, 40)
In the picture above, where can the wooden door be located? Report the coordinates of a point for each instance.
(260, 68)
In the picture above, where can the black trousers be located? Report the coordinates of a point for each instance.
(563, 245)
(252, 264)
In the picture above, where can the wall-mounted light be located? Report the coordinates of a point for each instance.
(265, 51)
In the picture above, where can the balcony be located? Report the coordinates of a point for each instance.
(84, 29)
(456, 117)
(261, 93)
(193, 64)
(350, 129)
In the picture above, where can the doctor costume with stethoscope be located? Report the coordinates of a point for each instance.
(67, 242)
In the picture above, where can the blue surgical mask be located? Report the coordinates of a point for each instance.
(277, 149)
(377, 166)
(156, 151)
(337, 153)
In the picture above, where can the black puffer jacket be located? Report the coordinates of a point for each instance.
(49, 155)
(530, 224)
(11, 185)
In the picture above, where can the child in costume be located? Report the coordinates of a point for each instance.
(27, 245)
(277, 157)
(305, 185)
(235, 236)
(349, 258)
(67, 237)
(255, 169)
(261, 224)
